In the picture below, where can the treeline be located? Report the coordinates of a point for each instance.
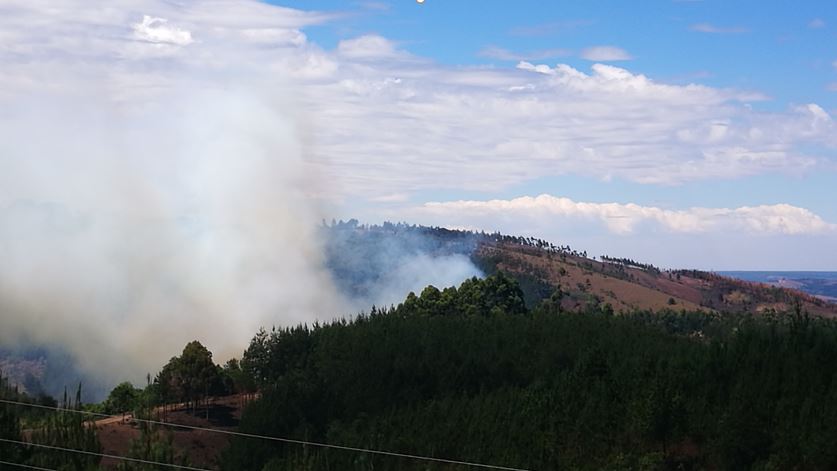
(630, 263)
(189, 380)
(45, 431)
(360, 256)
(471, 374)
(464, 241)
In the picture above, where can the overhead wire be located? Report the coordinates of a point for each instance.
(103, 455)
(278, 439)
(26, 466)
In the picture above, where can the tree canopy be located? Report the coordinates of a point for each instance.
(469, 374)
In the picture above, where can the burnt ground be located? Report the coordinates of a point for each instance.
(201, 447)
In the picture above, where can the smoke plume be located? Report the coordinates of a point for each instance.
(155, 185)
(153, 190)
(125, 233)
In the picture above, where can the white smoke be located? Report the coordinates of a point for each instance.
(415, 272)
(157, 184)
(123, 235)
(146, 202)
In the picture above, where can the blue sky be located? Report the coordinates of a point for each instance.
(782, 49)
(683, 133)
(783, 52)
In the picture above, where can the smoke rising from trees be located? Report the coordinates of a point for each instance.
(157, 185)
(125, 232)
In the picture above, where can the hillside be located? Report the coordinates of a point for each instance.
(628, 286)
(359, 256)
(396, 258)
(552, 360)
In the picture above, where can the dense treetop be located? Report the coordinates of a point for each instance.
(479, 377)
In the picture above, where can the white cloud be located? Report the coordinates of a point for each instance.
(605, 54)
(156, 30)
(713, 29)
(380, 121)
(500, 53)
(625, 218)
(391, 198)
(368, 47)
(816, 23)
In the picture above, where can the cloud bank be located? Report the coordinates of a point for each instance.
(384, 121)
(625, 218)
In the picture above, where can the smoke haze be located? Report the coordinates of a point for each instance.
(156, 188)
(151, 196)
(125, 233)
(380, 265)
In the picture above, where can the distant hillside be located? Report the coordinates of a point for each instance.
(626, 285)
(822, 284)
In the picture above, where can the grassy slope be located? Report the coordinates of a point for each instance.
(628, 288)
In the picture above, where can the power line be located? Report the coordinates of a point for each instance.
(103, 455)
(279, 439)
(21, 465)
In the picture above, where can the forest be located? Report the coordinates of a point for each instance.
(470, 373)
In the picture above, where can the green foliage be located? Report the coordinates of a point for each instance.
(469, 374)
(153, 444)
(190, 377)
(10, 422)
(123, 398)
(236, 380)
(65, 429)
(494, 295)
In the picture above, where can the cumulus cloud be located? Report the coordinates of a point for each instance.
(605, 54)
(156, 30)
(625, 218)
(714, 29)
(411, 127)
